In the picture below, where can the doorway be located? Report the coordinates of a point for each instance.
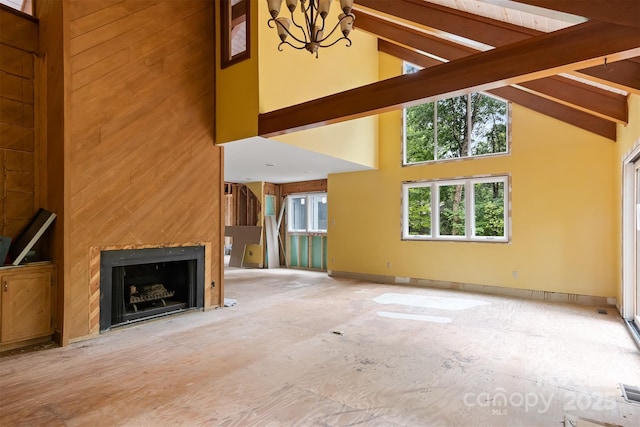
(631, 241)
(636, 246)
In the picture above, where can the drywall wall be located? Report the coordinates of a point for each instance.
(562, 215)
(294, 76)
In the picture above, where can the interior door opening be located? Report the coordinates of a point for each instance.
(630, 304)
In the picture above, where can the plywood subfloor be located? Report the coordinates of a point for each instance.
(301, 348)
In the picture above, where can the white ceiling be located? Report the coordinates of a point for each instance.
(247, 160)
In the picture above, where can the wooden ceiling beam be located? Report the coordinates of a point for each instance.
(408, 55)
(588, 122)
(623, 75)
(603, 103)
(452, 21)
(621, 12)
(579, 46)
(488, 31)
(411, 37)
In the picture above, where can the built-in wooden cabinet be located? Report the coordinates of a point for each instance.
(26, 298)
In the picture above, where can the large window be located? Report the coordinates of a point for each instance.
(461, 209)
(464, 126)
(308, 213)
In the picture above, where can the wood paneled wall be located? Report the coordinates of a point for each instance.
(18, 46)
(140, 164)
(50, 94)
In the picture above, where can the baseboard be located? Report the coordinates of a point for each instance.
(25, 343)
(560, 297)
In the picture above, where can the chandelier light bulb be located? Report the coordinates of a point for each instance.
(323, 8)
(346, 6)
(283, 25)
(291, 5)
(274, 7)
(346, 24)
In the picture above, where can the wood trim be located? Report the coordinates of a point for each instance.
(603, 103)
(318, 185)
(536, 103)
(549, 54)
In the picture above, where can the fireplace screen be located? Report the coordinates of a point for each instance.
(145, 283)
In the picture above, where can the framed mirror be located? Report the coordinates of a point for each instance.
(235, 37)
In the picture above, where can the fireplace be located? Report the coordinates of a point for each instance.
(141, 284)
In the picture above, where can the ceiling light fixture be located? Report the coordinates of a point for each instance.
(310, 35)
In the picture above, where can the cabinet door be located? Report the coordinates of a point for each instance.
(26, 306)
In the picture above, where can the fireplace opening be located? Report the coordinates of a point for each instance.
(140, 284)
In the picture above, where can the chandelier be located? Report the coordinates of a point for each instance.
(312, 34)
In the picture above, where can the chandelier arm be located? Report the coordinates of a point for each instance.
(310, 18)
(292, 45)
(277, 23)
(333, 30)
(341, 38)
(293, 21)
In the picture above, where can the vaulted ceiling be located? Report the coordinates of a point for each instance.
(576, 61)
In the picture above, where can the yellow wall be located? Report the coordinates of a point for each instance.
(628, 138)
(562, 218)
(291, 77)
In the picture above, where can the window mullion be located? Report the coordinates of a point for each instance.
(469, 124)
(506, 193)
(308, 203)
(435, 130)
(471, 210)
(435, 211)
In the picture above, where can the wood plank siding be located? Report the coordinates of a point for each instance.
(141, 168)
(18, 44)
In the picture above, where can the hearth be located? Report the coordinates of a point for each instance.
(140, 284)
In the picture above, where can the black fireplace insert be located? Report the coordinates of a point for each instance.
(140, 284)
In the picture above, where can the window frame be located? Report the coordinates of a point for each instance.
(470, 217)
(310, 220)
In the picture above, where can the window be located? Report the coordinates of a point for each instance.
(25, 6)
(463, 126)
(235, 35)
(462, 209)
(308, 213)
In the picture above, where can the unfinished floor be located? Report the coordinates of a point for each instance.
(301, 348)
